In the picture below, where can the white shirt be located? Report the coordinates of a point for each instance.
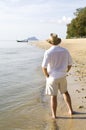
(56, 60)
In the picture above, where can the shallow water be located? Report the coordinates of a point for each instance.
(21, 83)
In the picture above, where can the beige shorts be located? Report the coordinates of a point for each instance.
(53, 85)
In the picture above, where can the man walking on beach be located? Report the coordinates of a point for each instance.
(56, 62)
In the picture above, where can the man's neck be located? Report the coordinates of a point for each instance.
(54, 45)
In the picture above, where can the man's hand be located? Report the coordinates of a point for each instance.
(45, 72)
(69, 67)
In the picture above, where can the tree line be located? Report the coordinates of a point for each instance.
(77, 27)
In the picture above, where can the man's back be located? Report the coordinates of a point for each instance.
(57, 59)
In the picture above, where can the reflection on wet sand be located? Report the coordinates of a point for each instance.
(52, 125)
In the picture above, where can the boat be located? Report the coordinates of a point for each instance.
(22, 40)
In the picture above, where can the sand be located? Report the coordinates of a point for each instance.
(76, 86)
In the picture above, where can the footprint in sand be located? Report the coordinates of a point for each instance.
(81, 107)
(77, 91)
(83, 89)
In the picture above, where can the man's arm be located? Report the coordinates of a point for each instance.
(45, 72)
(69, 67)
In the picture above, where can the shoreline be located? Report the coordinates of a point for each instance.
(76, 86)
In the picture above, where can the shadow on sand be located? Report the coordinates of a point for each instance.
(53, 123)
(76, 115)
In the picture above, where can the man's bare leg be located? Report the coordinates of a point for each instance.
(68, 102)
(53, 106)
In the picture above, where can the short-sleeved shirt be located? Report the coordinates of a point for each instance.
(56, 60)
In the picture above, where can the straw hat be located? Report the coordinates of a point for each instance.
(54, 39)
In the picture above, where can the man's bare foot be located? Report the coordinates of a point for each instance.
(71, 112)
(54, 117)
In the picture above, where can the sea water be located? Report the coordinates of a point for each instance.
(21, 85)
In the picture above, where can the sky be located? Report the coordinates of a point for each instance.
(20, 19)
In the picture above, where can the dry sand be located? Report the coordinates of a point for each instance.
(76, 84)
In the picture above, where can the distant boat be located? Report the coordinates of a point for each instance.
(22, 40)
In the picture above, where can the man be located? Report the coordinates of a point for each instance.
(57, 61)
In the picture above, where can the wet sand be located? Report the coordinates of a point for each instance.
(76, 86)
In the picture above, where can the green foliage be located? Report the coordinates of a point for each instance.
(77, 27)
